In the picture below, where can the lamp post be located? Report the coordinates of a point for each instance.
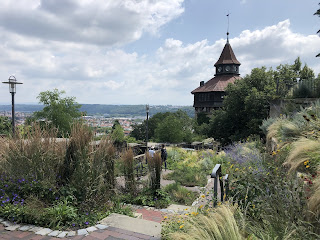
(147, 110)
(12, 81)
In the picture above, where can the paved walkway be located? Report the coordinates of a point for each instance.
(110, 233)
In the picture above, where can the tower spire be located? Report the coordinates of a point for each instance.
(228, 28)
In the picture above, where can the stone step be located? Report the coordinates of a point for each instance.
(133, 224)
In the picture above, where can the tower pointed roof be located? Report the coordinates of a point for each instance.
(227, 56)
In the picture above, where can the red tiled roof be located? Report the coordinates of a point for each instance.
(217, 84)
(227, 56)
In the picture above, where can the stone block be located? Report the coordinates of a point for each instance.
(12, 227)
(82, 232)
(44, 231)
(101, 226)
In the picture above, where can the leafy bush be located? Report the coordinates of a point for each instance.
(180, 195)
(147, 197)
(192, 168)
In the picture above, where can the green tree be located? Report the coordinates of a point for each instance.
(170, 130)
(245, 107)
(117, 134)
(58, 112)
(306, 73)
(248, 100)
(157, 120)
(5, 125)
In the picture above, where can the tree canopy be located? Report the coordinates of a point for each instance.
(247, 101)
(165, 127)
(58, 111)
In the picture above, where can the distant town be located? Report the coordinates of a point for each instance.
(100, 116)
(95, 121)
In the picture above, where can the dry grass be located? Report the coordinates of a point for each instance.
(301, 152)
(154, 166)
(314, 200)
(219, 225)
(39, 154)
(128, 169)
(282, 129)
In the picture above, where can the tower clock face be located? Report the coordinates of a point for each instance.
(227, 68)
(219, 69)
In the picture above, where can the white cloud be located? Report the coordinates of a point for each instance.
(95, 74)
(102, 22)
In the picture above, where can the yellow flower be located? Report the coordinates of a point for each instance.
(274, 153)
(278, 150)
(165, 217)
(201, 206)
(219, 203)
(231, 166)
(307, 166)
(181, 226)
(306, 162)
(186, 209)
(236, 169)
(203, 196)
(179, 221)
(187, 214)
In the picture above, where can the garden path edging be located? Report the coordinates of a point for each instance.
(9, 226)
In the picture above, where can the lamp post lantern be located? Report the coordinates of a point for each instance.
(147, 110)
(12, 81)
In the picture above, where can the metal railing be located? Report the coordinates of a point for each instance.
(224, 184)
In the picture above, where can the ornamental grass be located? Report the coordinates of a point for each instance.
(128, 171)
(218, 225)
(303, 151)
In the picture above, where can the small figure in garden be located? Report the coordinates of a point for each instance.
(164, 156)
(151, 152)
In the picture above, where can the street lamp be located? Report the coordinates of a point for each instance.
(12, 81)
(147, 110)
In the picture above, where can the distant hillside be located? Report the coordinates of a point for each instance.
(109, 110)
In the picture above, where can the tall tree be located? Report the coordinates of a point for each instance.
(58, 111)
(160, 124)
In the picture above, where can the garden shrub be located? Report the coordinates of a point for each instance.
(53, 183)
(180, 195)
(275, 205)
(191, 168)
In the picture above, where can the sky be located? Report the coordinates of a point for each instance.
(145, 51)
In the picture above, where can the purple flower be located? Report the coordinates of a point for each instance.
(86, 223)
